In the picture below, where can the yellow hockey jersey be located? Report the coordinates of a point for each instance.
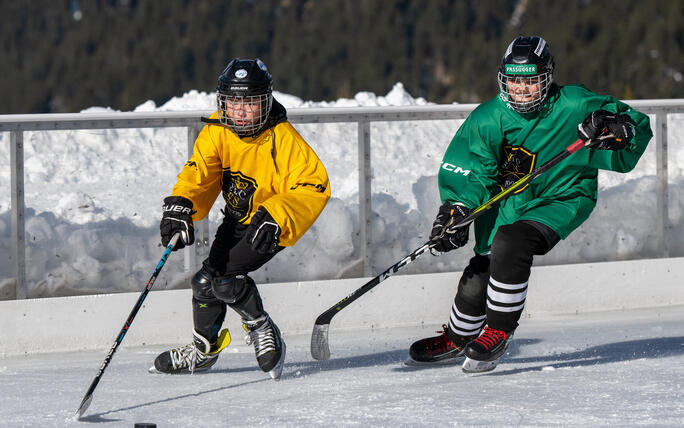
(275, 169)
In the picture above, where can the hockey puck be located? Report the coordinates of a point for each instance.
(144, 425)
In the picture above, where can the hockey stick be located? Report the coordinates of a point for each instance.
(89, 394)
(320, 348)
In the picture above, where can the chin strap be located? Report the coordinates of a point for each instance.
(210, 120)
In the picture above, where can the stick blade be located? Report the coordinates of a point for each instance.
(320, 349)
(84, 406)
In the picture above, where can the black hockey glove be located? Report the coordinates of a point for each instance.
(445, 238)
(608, 131)
(263, 233)
(177, 217)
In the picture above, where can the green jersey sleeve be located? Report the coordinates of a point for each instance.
(469, 169)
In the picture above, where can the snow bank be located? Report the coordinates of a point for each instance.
(93, 201)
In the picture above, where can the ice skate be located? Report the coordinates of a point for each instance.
(438, 350)
(483, 353)
(269, 345)
(490, 345)
(199, 355)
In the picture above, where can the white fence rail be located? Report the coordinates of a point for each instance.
(16, 125)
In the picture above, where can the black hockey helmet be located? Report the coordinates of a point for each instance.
(244, 82)
(526, 62)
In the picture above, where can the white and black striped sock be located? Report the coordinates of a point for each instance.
(465, 325)
(505, 302)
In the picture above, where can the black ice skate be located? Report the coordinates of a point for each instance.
(489, 346)
(269, 346)
(197, 356)
(436, 350)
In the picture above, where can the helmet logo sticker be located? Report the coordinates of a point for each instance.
(241, 73)
(540, 47)
(261, 65)
(524, 69)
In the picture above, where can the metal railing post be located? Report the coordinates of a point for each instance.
(365, 210)
(663, 222)
(18, 229)
(201, 241)
(202, 227)
(190, 254)
(193, 257)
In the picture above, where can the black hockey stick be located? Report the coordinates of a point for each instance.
(89, 394)
(320, 348)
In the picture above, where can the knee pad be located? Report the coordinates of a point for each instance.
(473, 284)
(240, 293)
(201, 286)
(232, 288)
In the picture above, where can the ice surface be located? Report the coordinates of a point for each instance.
(610, 369)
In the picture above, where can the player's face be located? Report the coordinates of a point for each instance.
(243, 110)
(524, 89)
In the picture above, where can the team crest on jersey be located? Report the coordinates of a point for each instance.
(517, 162)
(238, 192)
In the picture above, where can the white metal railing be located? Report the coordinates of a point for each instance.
(16, 125)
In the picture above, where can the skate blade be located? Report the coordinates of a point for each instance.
(474, 366)
(278, 369)
(153, 370)
(410, 362)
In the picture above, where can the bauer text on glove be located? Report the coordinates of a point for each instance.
(177, 218)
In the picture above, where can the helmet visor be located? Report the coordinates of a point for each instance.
(244, 115)
(524, 94)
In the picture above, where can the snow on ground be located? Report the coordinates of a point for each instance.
(93, 201)
(623, 368)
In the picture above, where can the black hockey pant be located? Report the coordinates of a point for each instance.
(493, 288)
(223, 281)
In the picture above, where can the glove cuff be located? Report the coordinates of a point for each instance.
(178, 200)
(262, 215)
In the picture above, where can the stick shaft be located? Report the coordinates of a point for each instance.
(87, 398)
(326, 316)
(320, 348)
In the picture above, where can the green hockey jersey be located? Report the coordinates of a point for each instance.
(496, 146)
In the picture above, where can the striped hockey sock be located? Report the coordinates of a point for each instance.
(465, 325)
(505, 303)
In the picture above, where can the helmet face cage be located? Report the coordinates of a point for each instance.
(526, 73)
(244, 96)
(244, 115)
(524, 94)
